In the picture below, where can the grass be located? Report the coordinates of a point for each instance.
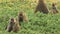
(38, 23)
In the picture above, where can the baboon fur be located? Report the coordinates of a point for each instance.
(13, 25)
(22, 17)
(16, 26)
(41, 7)
(10, 25)
(54, 9)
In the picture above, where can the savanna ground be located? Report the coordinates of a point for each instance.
(38, 23)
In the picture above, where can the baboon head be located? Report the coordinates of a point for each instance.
(12, 20)
(20, 16)
(53, 6)
(54, 9)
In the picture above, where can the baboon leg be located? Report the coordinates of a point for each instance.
(56, 11)
(16, 28)
(25, 20)
(9, 30)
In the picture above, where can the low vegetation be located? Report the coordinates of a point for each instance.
(39, 23)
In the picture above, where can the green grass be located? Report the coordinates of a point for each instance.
(38, 23)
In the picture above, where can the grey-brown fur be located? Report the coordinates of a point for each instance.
(22, 17)
(13, 25)
(54, 9)
(41, 7)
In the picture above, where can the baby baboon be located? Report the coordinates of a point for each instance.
(13, 25)
(10, 25)
(41, 7)
(22, 17)
(54, 10)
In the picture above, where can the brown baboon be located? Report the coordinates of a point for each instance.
(41, 7)
(13, 25)
(54, 10)
(10, 25)
(16, 26)
(22, 17)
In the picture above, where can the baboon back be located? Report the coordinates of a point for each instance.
(41, 7)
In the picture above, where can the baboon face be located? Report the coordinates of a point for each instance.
(12, 20)
(54, 9)
(53, 6)
(21, 16)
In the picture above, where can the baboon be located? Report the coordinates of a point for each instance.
(10, 25)
(16, 26)
(54, 9)
(41, 7)
(22, 17)
(13, 25)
